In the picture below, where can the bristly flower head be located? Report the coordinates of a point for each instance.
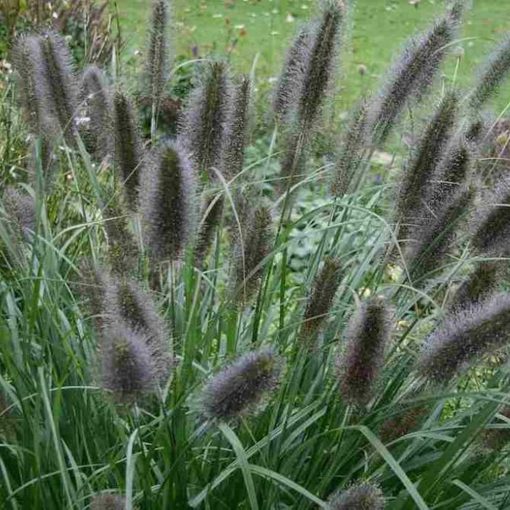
(127, 147)
(127, 367)
(238, 388)
(202, 130)
(412, 73)
(236, 129)
(350, 155)
(434, 236)
(415, 180)
(127, 302)
(212, 212)
(108, 502)
(250, 251)
(34, 94)
(290, 81)
(368, 333)
(20, 209)
(464, 338)
(158, 58)
(167, 203)
(494, 72)
(320, 65)
(97, 109)
(58, 72)
(320, 300)
(492, 228)
(362, 496)
(478, 285)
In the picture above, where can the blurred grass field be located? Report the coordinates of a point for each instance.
(249, 29)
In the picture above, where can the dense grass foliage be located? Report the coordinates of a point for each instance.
(161, 348)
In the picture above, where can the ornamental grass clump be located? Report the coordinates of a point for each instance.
(464, 338)
(168, 203)
(366, 338)
(240, 387)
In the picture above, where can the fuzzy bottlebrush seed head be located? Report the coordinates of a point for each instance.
(290, 82)
(494, 72)
(158, 58)
(20, 210)
(319, 68)
(236, 129)
(238, 388)
(368, 333)
(202, 130)
(434, 236)
(127, 367)
(452, 173)
(350, 156)
(167, 203)
(107, 502)
(478, 285)
(416, 177)
(212, 212)
(464, 338)
(362, 496)
(411, 75)
(127, 147)
(495, 439)
(58, 72)
(96, 102)
(127, 302)
(321, 298)
(250, 251)
(34, 94)
(492, 225)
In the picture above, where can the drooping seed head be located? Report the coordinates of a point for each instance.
(350, 156)
(492, 225)
(250, 252)
(238, 388)
(96, 100)
(202, 132)
(127, 367)
(401, 424)
(417, 176)
(435, 236)
(58, 72)
(492, 75)
(290, 81)
(127, 147)
(126, 302)
(107, 502)
(368, 333)
(236, 129)
(464, 338)
(167, 203)
(362, 496)
(411, 75)
(158, 57)
(478, 285)
(320, 299)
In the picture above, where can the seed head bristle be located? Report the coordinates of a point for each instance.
(368, 333)
(464, 338)
(238, 388)
(167, 203)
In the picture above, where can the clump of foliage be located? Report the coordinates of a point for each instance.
(158, 351)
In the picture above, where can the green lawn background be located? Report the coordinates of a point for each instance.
(378, 29)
